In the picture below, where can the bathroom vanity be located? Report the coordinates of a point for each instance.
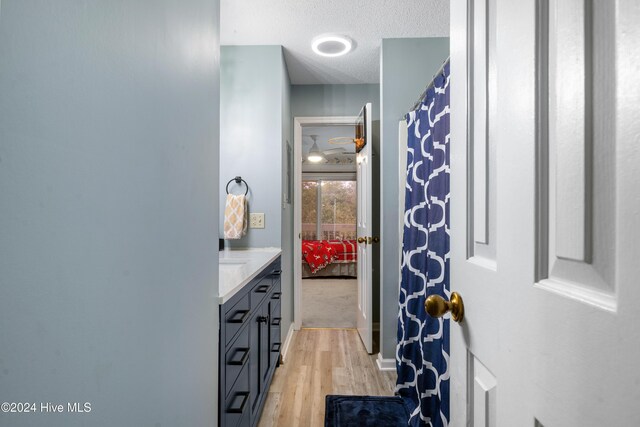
(249, 298)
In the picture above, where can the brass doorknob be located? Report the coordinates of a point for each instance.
(436, 306)
(362, 240)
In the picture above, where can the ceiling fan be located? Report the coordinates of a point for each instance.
(316, 156)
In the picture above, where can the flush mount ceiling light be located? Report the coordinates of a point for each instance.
(331, 45)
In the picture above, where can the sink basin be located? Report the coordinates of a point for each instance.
(233, 261)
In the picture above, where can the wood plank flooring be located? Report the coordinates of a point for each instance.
(321, 362)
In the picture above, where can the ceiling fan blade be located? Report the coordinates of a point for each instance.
(334, 151)
(341, 140)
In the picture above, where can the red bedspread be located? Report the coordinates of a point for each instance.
(346, 250)
(320, 253)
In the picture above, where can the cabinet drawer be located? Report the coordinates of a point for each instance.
(275, 266)
(260, 291)
(274, 345)
(238, 403)
(276, 320)
(236, 317)
(276, 285)
(236, 358)
(276, 295)
(275, 272)
(275, 309)
(246, 419)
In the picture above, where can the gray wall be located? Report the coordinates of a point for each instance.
(255, 114)
(407, 67)
(333, 100)
(109, 201)
(251, 116)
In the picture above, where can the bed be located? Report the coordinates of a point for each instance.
(329, 258)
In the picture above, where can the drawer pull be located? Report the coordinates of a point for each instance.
(275, 347)
(276, 321)
(242, 360)
(239, 409)
(276, 295)
(276, 272)
(263, 319)
(239, 316)
(263, 289)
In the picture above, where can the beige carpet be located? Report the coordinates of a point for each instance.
(329, 303)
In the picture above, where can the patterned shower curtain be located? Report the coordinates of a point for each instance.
(422, 356)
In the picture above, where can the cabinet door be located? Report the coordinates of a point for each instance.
(259, 342)
(274, 332)
(254, 358)
(264, 344)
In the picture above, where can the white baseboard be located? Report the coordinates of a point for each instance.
(386, 364)
(287, 341)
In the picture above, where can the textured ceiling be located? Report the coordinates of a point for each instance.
(294, 23)
(323, 134)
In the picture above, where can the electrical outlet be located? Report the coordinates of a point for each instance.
(256, 220)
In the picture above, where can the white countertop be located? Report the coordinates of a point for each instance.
(239, 266)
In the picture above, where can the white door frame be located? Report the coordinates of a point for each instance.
(298, 123)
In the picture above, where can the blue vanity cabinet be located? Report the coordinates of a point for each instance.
(275, 319)
(257, 369)
(249, 348)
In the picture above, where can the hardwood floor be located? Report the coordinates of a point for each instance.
(321, 362)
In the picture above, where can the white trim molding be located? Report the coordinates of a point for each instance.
(287, 342)
(385, 364)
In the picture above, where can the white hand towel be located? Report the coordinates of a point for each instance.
(235, 216)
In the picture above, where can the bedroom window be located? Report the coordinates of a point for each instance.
(328, 209)
(309, 210)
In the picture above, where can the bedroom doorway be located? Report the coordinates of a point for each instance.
(351, 147)
(328, 219)
(325, 251)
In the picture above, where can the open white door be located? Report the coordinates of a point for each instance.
(365, 227)
(545, 167)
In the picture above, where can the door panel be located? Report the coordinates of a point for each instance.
(484, 395)
(578, 205)
(481, 215)
(549, 335)
(365, 229)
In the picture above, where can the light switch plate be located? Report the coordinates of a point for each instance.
(256, 220)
